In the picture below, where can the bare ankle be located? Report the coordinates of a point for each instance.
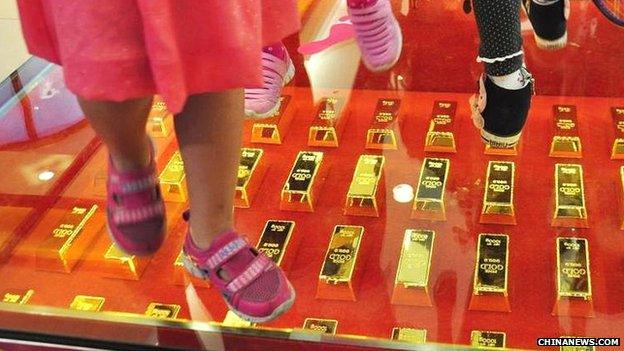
(203, 238)
(131, 161)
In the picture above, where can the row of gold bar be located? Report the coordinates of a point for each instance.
(479, 339)
(339, 265)
(301, 188)
(95, 304)
(331, 118)
(66, 243)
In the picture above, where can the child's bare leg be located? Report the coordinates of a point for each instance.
(121, 125)
(209, 133)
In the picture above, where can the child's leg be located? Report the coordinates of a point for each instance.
(501, 108)
(498, 22)
(209, 133)
(121, 125)
(135, 209)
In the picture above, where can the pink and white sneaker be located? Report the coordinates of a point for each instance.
(277, 71)
(135, 209)
(378, 33)
(253, 286)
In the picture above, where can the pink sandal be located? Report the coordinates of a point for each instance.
(135, 209)
(257, 289)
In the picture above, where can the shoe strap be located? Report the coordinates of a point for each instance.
(134, 196)
(259, 265)
(226, 252)
(124, 215)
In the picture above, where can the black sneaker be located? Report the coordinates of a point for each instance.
(500, 113)
(549, 23)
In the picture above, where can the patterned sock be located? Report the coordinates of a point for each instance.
(513, 81)
(360, 4)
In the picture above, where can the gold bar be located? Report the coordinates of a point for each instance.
(64, 248)
(298, 193)
(566, 142)
(325, 326)
(272, 130)
(250, 173)
(573, 272)
(119, 264)
(160, 120)
(328, 123)
(429, 201)
(342, 254)
(275, 238)
(411, 335)
(440, 137)
(173, 179)
(488, 340)
(178, 261)
(362, 194)
(617, 114)
(381, 134)
(87, 303)
(415, 259)
(232, 320)
(498, 197)
(162, 311)
(570, 210)
(492, 265)
(19, 297)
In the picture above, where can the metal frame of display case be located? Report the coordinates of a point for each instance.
(58, 327)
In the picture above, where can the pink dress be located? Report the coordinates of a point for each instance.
(121, 49)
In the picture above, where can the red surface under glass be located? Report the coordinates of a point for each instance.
(440, 47)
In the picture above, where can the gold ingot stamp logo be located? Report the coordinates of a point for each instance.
(499, 186)
(565, 124)
(442, 119)
(341, 256)
(569, 189)
(432, 182)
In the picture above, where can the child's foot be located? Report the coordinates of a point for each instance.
(501, 109)
(135, 209)
(549, 20)
(378, 33)
(277, 71)
(253, 286)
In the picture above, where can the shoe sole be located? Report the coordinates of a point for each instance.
(493, 140)
(281, 309)
(545, 44)
(396, 59)
(551, 44)
(288, 77)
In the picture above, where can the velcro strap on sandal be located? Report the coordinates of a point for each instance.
(138, 214)
(260, 264)
(226, 252)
